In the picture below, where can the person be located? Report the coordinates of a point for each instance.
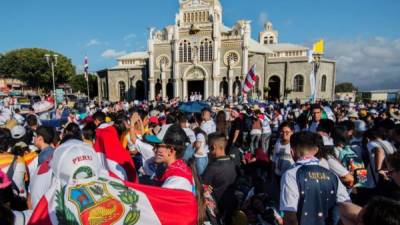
(256, 131)
(208, 124)
(310, 192)
(221, 123)
(235, 140)
(42, 140)
(282, 157)
(316, 117)
(380, 211)
(378, 149)
(12, 165)
(220, 174)
(266, 130)
(392, 189)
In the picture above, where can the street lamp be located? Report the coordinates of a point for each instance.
(52, 62)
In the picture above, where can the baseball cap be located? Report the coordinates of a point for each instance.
(153, 119)
(18, 132)
(74, 160)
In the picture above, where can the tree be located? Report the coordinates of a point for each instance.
(78, 83)
(29, 65)
(345, 87)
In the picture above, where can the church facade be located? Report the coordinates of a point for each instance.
(200, 54)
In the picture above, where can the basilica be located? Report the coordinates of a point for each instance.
(199, 54)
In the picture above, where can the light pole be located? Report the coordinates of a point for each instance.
(52, 62)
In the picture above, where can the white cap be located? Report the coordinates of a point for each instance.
(74, 160)
(18, 132)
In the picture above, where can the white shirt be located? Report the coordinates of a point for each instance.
(372, 175)
(209, 127)
(290, 191)
(282, 157)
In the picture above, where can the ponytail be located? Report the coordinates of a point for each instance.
(199, 193)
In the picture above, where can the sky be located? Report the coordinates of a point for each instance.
(363, 36)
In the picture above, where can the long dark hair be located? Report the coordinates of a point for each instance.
(72, 131)
(222, 126)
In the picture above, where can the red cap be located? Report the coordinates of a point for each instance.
(153, 119)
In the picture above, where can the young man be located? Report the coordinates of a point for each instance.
(282, 156)
(43, 139)
(316, 112)
(220, 174)
(310, 192)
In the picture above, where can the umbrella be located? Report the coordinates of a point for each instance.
(42, 106)
(193, 107)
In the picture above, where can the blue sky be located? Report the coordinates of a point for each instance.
(356, 31)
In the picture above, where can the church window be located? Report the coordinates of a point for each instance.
(184, 17)
(323, 83)
(298, 83)
(206, 50)
(196, 17)
(192, 17)
(181, 52)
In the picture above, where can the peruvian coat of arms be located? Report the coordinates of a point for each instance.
(97, 206)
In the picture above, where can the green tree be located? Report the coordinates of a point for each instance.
(78, 83)
(345, 87)
(30, 65)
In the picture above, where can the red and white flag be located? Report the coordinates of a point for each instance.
(107, 201)
(250, 80)
(114, 157)
(86, 68)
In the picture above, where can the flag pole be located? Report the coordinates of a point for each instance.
(88, 90)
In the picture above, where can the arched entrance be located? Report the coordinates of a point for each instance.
(223, 88)
(274, 85)
(140, 93)
(236, 87)
(194, 82)
(170, 89)
(158, 88)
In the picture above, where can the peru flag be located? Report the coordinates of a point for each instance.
(107, 201)
(114, 157)
(250, 81)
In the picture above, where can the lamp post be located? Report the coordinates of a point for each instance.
(52, 62)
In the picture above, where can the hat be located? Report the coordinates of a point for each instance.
(18, 132)
(352, 114)
(360, 126)
(256, 107)
(21, 144)
(74, 160)
(154, 113)
(153, 119)
(373, 112)
(153, 139)
(4, 181)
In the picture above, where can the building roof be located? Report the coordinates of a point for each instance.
(386, 91)
(286, 47)
(259, 48)
(135, 55)
(225, 29)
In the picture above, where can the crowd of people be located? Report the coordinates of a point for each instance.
(256, 163)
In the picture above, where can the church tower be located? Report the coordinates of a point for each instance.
(269, 35)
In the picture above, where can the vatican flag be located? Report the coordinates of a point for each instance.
(319, 47)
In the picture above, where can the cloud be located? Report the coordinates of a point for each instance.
(93, 42)
(369, 63)
(129, 36)
(112, 53)
(263, 18)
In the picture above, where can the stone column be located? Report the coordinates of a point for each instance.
(230, 82)
(185, 94)
(152, 89)
(206, 85)
(163, 85)
(176, 70)
(215, 87)
(99, 89)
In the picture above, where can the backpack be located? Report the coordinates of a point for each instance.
(354, 165)
(10, 174)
